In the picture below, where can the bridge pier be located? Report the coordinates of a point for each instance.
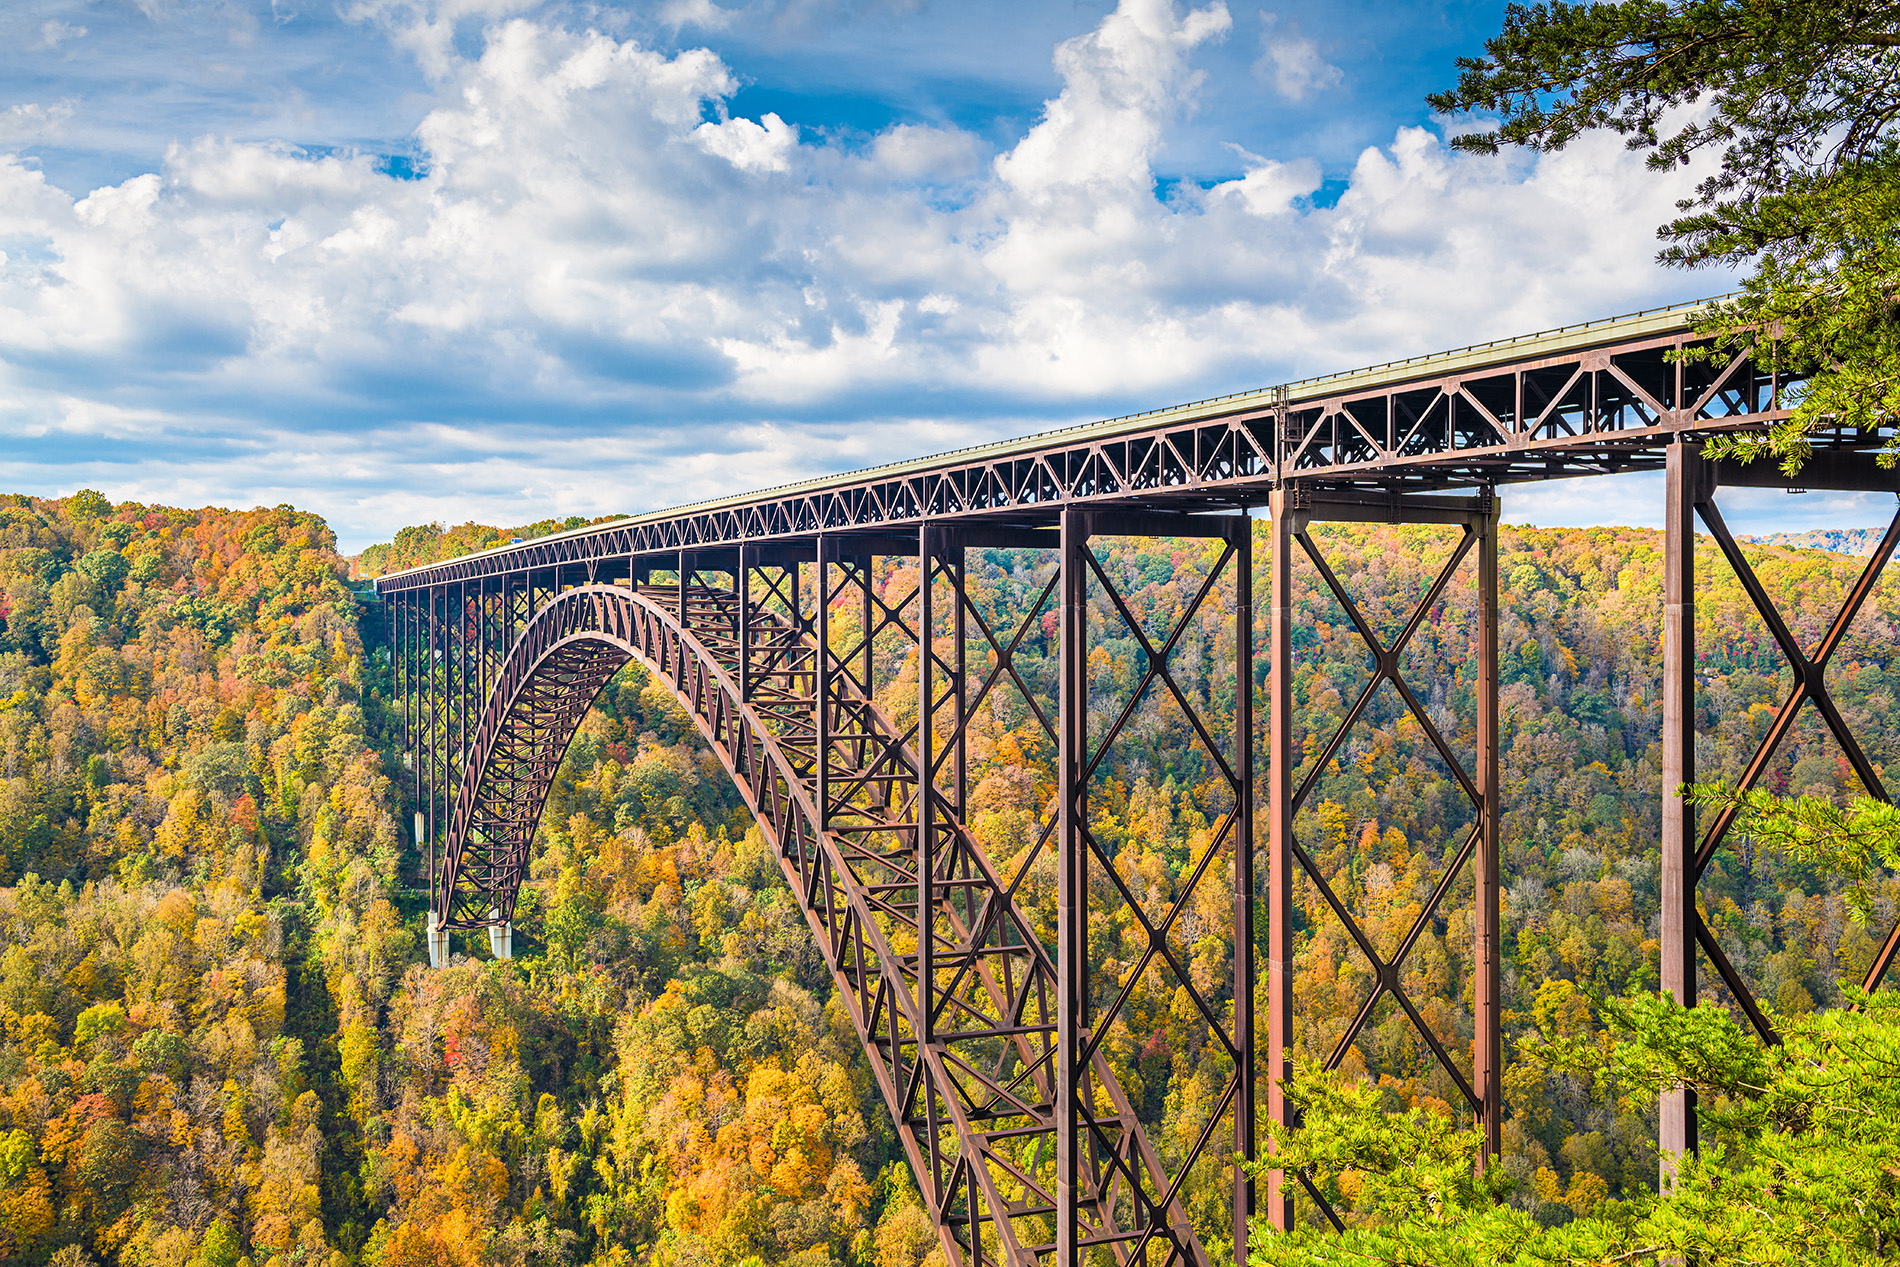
(1688, 846)
(986, 1031)
(438, 941)
(1292, 511)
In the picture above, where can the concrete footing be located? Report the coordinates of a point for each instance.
(438, 943)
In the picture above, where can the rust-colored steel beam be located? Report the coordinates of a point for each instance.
(769, 616)
(1487, 1055)
(1596, 399)
(1686, 481)
(1286, 522)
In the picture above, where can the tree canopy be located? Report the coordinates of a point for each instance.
(1794, 103)
(1803, 1163)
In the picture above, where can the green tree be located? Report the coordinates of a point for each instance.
(1796, 102)
(1853, 841)
(1801, 1160)
(1802, 1164)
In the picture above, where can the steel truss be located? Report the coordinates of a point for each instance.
(985, 1040)
(1687, 850)
(1603, 398)
(1292, 513)
(776, 620)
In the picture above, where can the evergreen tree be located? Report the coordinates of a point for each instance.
(1796, 105)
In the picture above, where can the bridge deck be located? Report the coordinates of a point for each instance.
(1022, 1142)
(1595, 398)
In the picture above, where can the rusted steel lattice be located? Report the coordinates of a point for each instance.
(1477, 855)
(958, 1011)
(1096, 1161)
(784, 621)
(1692, 482)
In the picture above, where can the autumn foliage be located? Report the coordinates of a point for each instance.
(219, 1040)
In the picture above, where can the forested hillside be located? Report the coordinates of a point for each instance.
(1835, 540)
(221, 1042)
(431, 543)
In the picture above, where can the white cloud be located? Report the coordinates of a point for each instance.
(595, 299)
(765, 146)
(1267, 188)
(700, 13)
(1292, 63)
(31, 123)
(1121, 84)
(53, 33)
(426, 28)
(909, 151)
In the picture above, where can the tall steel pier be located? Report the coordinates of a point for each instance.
(989, 1024)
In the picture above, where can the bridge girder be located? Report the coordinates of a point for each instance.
(501, 653)
(979, 1101)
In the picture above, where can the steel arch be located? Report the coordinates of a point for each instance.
(1384, 444)
(974, 1105)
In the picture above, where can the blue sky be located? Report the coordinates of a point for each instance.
(400, 260)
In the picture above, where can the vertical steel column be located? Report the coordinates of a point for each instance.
(742, 581)
(478, 653)
(866, 563)
(412, 720)
(926, 790)
(462, 656)
(793, 572)
(679, 666)
(1677, 1126)
(959, 600)
(1285, 522)
(1246, 1137)
(442, 706)
(1487, 1055)
(435, 700)
(411, 697)
(1072, 900)
(425, 788)
(389, 628)
(413, 662)
(489, 635)
(821, 694)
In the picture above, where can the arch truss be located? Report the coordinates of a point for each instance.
(841, 648)
(984, 1029)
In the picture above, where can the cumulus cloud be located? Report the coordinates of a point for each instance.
(1291, 62)
(1267, 188)
(427, 28)
(765, 146)
(700, 13)
(915, 152)
(606, 291)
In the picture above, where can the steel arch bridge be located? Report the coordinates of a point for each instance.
(984, 1027)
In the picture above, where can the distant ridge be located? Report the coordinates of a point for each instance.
(1857, 541)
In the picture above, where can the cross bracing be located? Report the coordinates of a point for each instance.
(985, 1029)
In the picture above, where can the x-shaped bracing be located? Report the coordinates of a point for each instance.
(1386, 979)
(1809, 669)
(1092, 1156)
